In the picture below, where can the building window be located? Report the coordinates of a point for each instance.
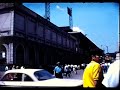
(53, 36)
(19, 22)
(59, 39)
(47, 34)
(68, 43)
(31, 27)
(40, 31)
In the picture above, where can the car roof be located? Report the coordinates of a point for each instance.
(26, 71)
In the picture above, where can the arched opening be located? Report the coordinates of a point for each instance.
(19, 55)
(32, 57)
(3, 54)
(41, 56)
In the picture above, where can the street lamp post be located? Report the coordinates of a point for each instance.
(102, 48)
(107, 48)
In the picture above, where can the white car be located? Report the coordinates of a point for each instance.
(35, 78)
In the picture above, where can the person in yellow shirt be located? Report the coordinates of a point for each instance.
(93, 76)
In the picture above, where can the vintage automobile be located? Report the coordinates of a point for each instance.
(35, 78)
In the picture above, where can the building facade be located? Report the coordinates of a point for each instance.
(26, 38)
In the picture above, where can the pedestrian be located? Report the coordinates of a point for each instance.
(65, 69)
(93, 74)
(6, 68)
(17, 67)
(105, 67)
(76, 68)
(112, 76)
(13, 67)
(21, 67)
(58, 70)
(69, 71)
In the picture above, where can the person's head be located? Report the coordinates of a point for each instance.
(58, 63)
(96, 58)
(17, 67)
(93, 57)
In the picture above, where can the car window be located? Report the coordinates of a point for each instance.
(12, 77)
(7, 77)
(27, 78)
(43, 75)
(17, 77)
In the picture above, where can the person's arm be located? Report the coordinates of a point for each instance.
(96, 74)
(112, 76)
(95, 82)
(54, 71)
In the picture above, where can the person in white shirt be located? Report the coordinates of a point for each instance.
(22, 67)
(13, 67)
(6, 68)
(111, 78)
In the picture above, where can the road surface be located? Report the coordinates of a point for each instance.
(76, 76)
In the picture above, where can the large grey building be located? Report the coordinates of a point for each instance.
(26, 38)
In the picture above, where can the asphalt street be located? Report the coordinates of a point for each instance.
(76, 76)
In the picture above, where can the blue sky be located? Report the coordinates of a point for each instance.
(100, 21)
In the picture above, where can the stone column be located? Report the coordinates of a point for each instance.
(10, 53)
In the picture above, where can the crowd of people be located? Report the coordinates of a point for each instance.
(65, 70)
(96, 74)
(13, 67)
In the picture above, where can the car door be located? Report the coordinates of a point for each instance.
(27, 80)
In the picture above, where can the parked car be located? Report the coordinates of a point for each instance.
(35, 78)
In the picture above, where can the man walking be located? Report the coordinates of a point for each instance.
(58, 70)
(93, 74)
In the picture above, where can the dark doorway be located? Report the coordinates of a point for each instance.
(32, 57)
(20, 55)
(3, 54)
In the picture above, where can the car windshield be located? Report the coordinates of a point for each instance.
(43, 75)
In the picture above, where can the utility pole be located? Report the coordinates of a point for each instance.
(107, 48)
(101, 47)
